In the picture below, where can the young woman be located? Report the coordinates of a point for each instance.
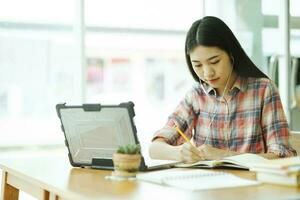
(233, 109)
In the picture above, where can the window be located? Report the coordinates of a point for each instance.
(131, 54)
(38, 69)
(136, 55)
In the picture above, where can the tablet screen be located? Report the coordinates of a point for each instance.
(96, 134)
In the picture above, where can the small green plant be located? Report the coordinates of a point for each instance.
(130, 149)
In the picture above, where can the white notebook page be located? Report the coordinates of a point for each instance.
(195, 179)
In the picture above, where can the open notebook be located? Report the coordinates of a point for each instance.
(243, 161)
(195, 179)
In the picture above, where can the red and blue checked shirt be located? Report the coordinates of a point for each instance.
(250, 118)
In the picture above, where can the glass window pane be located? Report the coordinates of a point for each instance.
(270, 7)
(149, 70)
(273, 7)
(37, 11)
(156, 14)
(39, 68)
(135, 52)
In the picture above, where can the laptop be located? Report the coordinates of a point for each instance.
(93, 132)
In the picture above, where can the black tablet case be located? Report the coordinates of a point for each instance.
(88, 132)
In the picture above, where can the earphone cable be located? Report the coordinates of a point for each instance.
(215, 110)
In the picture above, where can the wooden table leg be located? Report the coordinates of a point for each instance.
(49, 196)
(53, 196)
(12, 184)
(8, 192)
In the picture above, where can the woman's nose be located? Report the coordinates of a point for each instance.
(208, 72)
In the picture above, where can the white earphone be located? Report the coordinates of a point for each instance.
(222, 97)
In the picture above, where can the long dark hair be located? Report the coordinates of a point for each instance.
(213, 32)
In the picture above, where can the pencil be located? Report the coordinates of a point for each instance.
(186, 138)
(182, 134)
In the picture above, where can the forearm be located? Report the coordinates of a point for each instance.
(208, 152)
(163, 151)
(226, 153)
(269, 155)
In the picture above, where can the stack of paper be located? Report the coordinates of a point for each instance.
(284, 171)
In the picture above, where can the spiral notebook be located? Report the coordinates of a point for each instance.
(196, 179)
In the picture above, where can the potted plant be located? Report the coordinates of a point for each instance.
(127, 160)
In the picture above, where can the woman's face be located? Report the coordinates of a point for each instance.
(213, 66)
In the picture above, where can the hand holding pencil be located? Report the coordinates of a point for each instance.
(182, 134)
(188, 153)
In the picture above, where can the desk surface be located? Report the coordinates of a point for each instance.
(55, 174)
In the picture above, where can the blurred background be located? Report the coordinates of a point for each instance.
(96, 51)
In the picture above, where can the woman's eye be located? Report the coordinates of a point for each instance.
(215, 62)
(197, 66)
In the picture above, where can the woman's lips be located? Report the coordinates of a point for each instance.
(213, 80)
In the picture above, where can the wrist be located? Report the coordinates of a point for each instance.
(175, 152)
(228, 153)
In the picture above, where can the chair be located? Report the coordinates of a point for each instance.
(295, 140)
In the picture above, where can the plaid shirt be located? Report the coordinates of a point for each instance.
(250, 118)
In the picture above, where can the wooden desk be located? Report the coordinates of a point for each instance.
(52, 178)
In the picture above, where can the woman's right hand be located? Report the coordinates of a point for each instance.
(188, 153)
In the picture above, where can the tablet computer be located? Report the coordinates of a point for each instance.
(93, 133)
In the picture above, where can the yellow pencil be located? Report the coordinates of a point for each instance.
(182, 134)
(186, 138)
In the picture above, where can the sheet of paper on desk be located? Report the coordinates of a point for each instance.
(195, 179)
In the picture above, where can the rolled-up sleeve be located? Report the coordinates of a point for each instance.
(274, 124)
(183, 117)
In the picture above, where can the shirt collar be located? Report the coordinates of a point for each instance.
(207, 88)
(239, 84)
